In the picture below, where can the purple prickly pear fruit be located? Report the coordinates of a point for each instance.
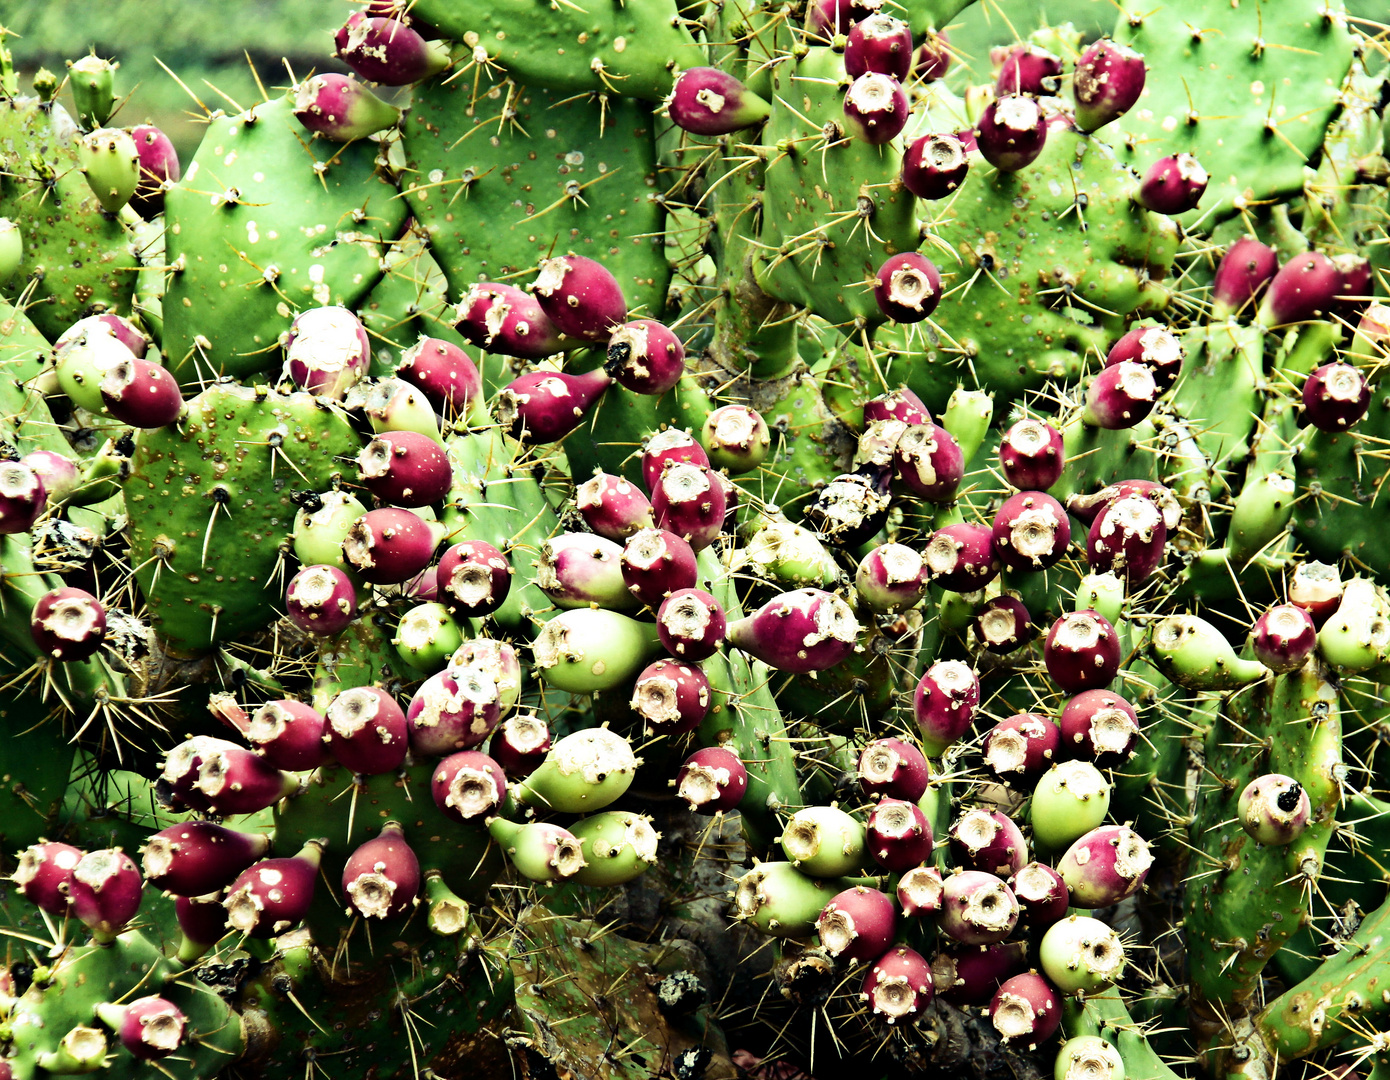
(1335, 397)
(405, 468)
(544, 406)
(112, 326)
(1106, 83)
(445, 374)
(1042, 894)
(908, 288)
(1316, 587)
(497, 661)
(68, 624)
(1028, 69)
(1156, 347)
(1357, 286)
(689, 501)
(876, 108)
(1284, 637)
(798, 632)
(1011, 132)
(141, 394)
(1173, 185)
(473, 579)
(219, 777)
(203, 923)
(44, 873)
(1243, 272)
(612, 506)
(1105, 866)
(579, 569)
(971, 976)
(1081, 955)
(1100, 727)
(898, 835)
(453, 710)
(656, 563)
(989, 841)
(1019, 749)
(961, 557)
(22, 497)
(1030, 531)
(581, 297)
(893, 769)
(290, 735)
(470, 785)
(977, 908)
(273, 895)
(381, 879)
(671, 697)
(646, 357)
(929, 462)
(506, 320)
(385, 51)
(707, 101)
(891, 577)
(321, 600)
(388, 546)
(1304, 288)
(104, 892)
(341, 109)
(857, 924)
(712, 780)
(1026, 1009)
(900, 404)
(830, 18)
(736, 437)
(1032, 455)
(898, 985)
(920, 891)
(326, 351)
(159, 169)
(149, 1027)
(879, 44)
(1274, 809)
(367, 731)
(933, 57)
(691, 625)
(670, 447)
(1087, 507)
(1082, 651)
(520, 743)
(944, 704)
(1127, 539)
(58, 474)
(1003, 624)
(198, 857)
(1120, 396)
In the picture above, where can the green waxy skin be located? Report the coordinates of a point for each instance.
(589, 649)
(618, 846)
(1261, 513)
(1069, 801)
(1106, 1017)
(318, 534)
(582, 773)
(252, 246)
(823, 841)
(967, 417)
(92, 81)
(426, 637)
(780, 900)
(241, 451)
(583, 175)
(1216, 389)
(1195, 655)
(1239, 916)
(111, 164)
(81, 261)
(1357, 636)
(1264, 66)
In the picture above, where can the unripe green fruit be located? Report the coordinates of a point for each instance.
(588, 649)
(111, 164)
(967, 417)
(618, 846)
(93, 84)
(1262, 511)
(1071, 799)
(319, 534)
(823, 841)
(426, 637)
(1196, 656)
(1081, 955)
(583, 772)
(780, 900)
(1088, 1057)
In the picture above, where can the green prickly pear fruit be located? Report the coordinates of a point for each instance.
(321, 525)
(110, 160)
(426, 637)
(967, 417)
(1071, 799)
(448, 913)
(618, 846)
(584, 771)
(780, 900)
(1195, 655)
(1262, 511)
(11, 249)
(45, 84)
(587, 649)
(93, 83)
(1088, 1057)
(82, 1050)
(539, 850)
(1357, 636)
(824, 841)
(1104, 593)
(1081, 955)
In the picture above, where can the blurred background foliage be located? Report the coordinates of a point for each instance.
(216, 43)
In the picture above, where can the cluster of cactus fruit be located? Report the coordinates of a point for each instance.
(697, 441)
